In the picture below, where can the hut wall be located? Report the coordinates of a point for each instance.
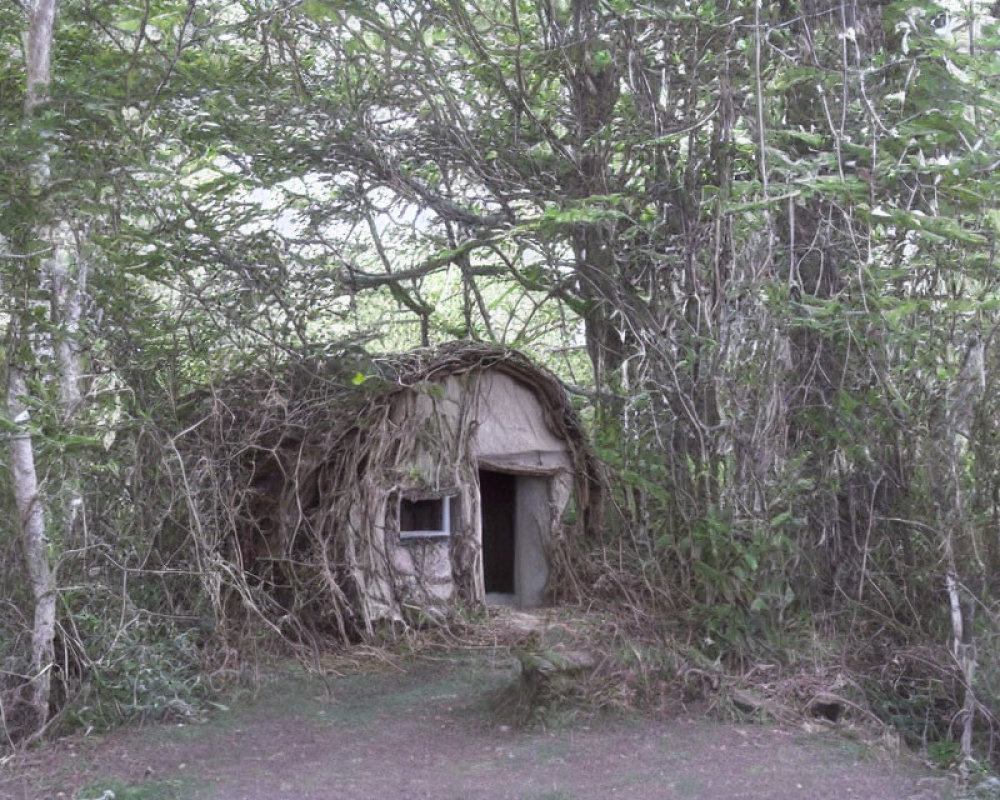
(511, 427)
(424, 569)
(467, 421)
(453, 427)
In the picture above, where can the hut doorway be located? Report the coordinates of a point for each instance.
(515, 519)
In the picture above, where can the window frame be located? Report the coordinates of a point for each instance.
(445, 532)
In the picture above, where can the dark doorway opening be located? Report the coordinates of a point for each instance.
(498, 507)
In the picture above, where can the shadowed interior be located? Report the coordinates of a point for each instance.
(498, 506)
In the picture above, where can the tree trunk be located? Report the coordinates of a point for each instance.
(964, 570)
(42, 16)
(31, 525)
(23, 344)
(67, 274)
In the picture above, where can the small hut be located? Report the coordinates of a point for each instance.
(348, 490)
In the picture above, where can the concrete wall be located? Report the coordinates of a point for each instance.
(531, 530)
(511, 427)
(483, 419)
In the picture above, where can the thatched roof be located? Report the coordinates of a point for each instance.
(274, 459)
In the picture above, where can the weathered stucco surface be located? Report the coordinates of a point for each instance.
(533, 526)
(482, 419)
(511, 427)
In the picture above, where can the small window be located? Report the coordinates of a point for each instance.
(424, 518)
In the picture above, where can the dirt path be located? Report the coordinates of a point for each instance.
(427, 733)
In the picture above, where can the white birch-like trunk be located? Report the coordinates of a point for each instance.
(966, 393)
(67, 274)
(41, 18)
(31, 524)
(23, 356)
(67, 277)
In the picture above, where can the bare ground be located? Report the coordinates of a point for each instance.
(429, 731)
